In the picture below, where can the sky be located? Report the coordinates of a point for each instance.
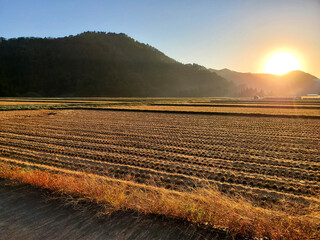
(237, 34)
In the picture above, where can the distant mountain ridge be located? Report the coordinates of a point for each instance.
(100, 64)
(115, 65)
(293, 83)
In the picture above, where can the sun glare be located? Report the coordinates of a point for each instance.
(281, 63)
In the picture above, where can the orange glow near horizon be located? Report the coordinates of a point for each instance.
(281, 63)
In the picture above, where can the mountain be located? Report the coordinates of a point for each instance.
(293, 83)
(99, 64)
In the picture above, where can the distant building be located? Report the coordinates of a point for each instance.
(311, 96)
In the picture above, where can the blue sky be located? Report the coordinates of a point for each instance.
(235, 34)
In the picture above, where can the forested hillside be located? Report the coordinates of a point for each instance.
(99, 64)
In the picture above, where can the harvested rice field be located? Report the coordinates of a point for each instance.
(273, 110)
(250, 170)
(266, 158)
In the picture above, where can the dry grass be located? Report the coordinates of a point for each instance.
(209, 109)
(205, 206)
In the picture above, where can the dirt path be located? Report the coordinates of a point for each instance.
(26, 213)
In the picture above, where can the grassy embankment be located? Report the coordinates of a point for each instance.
(204, 206)
(53, 106)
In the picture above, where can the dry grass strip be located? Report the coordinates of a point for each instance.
(203, 206)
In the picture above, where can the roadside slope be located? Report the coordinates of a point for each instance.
(30, 213)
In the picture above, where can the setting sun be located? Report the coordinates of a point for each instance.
(281, 63)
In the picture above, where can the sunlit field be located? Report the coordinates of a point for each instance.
(265, 165)
(313, 111)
